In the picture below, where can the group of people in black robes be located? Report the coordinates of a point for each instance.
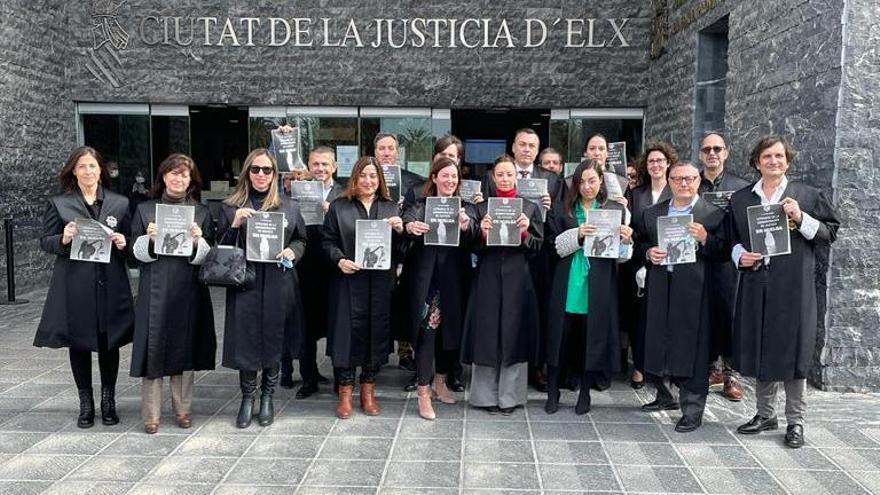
(505, 311)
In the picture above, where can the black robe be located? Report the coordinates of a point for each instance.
(775, 320)
(85, 298)
(677, 325)
(314, 271)
(602, 321)
(451, 266)
(502, 319)
(358, 331)
(723, 279)
(174, 327)
(266, 321)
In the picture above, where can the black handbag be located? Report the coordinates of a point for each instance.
(227, 266)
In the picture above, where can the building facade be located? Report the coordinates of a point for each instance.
(141, 79)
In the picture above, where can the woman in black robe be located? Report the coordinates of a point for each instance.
(774, 325)
(258, 318)
(583, 318)
(174, 324)
(501, 326)
(360, 299)
(88, 307)
(436, 286)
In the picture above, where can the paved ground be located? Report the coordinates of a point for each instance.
(614, 449)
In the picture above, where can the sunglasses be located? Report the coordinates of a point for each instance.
(265, 170)
(712, 149)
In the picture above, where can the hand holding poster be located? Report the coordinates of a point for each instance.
(441, 214)
(674, 238)
(265, 236)
(605, 243)
(469, 189)
(92, 242)
(372, 247)
(174, 224)
(768, 230)
(504, 212)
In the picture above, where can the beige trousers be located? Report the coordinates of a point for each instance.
(181, 396)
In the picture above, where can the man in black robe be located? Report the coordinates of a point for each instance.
(776, 312)
(714, 151)
(677, 328)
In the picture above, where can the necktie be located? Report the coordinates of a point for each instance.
(523, 174)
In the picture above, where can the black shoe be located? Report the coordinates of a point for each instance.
(493, 410)
(407, 363)
(286, 374)
(757, 425)
(247, 380)
(321, 378)
(688, 424)
(267, 389)
(108, 406)
(454, 383)
(507, 411)
(658, 405)
(794, 436)
(307, 389)
(602, 384)
(411, 385)
(583, 404)
(538, 380)
(86, 417)
(636, 385)
(552, 404)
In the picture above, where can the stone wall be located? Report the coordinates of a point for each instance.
(36, 127)
(851, 357)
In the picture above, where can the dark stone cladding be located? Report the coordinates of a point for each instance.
(36, 127)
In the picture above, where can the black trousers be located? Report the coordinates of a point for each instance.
(308, 363)
(345, 376)
(692, 393)
(429, 349)
(572, 357)
(108, 364)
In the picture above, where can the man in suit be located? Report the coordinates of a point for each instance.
(714, 178)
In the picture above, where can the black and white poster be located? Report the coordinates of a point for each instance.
(768, 230)
(720, 199)
(533, 190)
(392, 180)
(92, 242)
(615, 164)
(674, 238)
(174, 224)
(372, 248)
(469, 189)
(606, 242)
(288, 155)
(265, 236)
(504, 212)
(441, 214)
(309, 195)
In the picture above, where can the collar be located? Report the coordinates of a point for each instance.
(777, 194)
(530, 169)
(688, 208)
(714, 183)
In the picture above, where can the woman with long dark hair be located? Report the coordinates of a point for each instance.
(88, 307)
(437, 288)
(174, 324)
(359, 323)
(258, 318)
(583, 311)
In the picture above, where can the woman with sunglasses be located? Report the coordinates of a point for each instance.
(360, 322)
(258, 318)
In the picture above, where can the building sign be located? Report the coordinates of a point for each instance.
(418, 32)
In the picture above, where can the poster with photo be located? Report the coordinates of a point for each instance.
(372, 248)
(469, 189)
(441, 214)
(174, 224)
(533, 190)
(288, 155)
(265, 236)
(92, 242)
(504, 212)
(720, 199)
(674, 238)
(309, 195)
(605, 243)
(768, 230)
(392, 181)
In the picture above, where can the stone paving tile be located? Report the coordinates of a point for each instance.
(868, 479)
(191, 469)
(268, 471)
(74, 443)
(501, 430)
(422, 474)
(109, 468)
(364, 449)
(141, 444)
(39, 467)
(738, 481)
(439, 428)
(494, 450)
(717, 456)
(89, 488)
(818, 482)
(578, 477)
(171, 489)
(289, 447)
(24, 487)
(18, 442)
(345, 473)
(642, 454)
(500, 476)
(559, 452)
(855, 459)
(426, 449)
(613, 432)
(785, 458)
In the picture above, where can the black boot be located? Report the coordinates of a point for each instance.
(552, 404)
(86, 417)
(267, 390)
(108, 406)
(247, 380)
(286, 373)
(583, 403)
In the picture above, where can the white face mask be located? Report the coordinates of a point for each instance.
(139, 179)
(114, 174)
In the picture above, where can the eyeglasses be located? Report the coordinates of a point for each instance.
(656, 161)
(712, 149)
(685, 179)
(265, 170)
